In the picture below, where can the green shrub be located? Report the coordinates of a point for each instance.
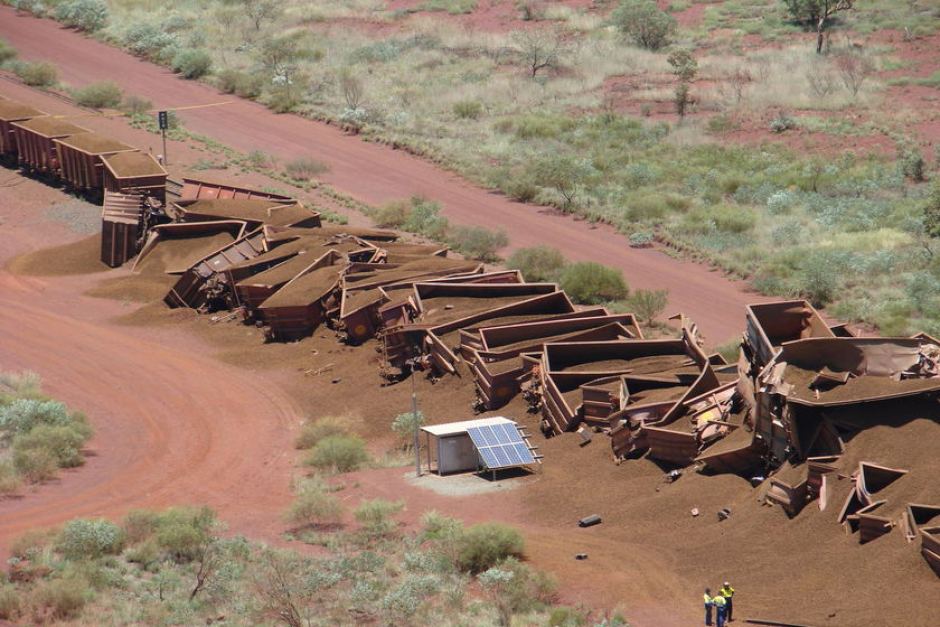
(103, 95)
(88, 539)
(538, 263)
(183, 532)
(644, 23)
(477, 242)
(40, 74)
(566, 617)
(192, 63)
(10, 480)
(86, 15)
(242, 84)
(283, 99)
(151, 41)
(425, 219)
(724, 218)
(314, 505)
(817, 283)
(338, 453)
(649, 207)
(649, 304)
(7, 52)
(375, 516)
(520, 186)
(393, 214)
(139, 525)
(24, 414)
(912, 163)
(436, 526)
(63, 442)
(405, 425)
(60, 599)
(484, 545)
(10, 603)
(591, 283)
(313, 432)
(24, 385)
(35, 465)
(563, 173)
(32, 544)
(135, 105)
(304, 168)
(468, 109)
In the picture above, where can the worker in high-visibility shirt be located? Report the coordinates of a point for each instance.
(728, 593)
(708, 606)
(721, 610)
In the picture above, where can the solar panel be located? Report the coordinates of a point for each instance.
(500, 446)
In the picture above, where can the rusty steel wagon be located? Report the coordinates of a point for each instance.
(134, 172)
(10, 112)
(80, 158)
(35, 141)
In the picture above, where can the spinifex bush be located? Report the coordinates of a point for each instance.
(103, 95)
(338, 453)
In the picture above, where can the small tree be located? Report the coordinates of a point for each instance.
(563, 173)
(685, 67)
(477, 242)
(539, 263)
(352, 88)
(854, 68)
(405, 426)
(644, 23)
(592, 283)
(260, 12)
(932, 217)
(284, 589)
(817, 13)
(649, 304)
(540, 49)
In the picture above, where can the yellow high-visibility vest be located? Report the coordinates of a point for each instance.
(727, 592)
(719, 601)
(708, 599)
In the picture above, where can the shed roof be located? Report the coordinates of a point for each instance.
(12, 110)
(94, 143)
(49, 126)
(456, 428)
(124, 165)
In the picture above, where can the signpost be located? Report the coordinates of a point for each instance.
(164, 123)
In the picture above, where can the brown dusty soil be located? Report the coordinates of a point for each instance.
(305, 290)
(206, 441)
(79, 257)
(714, 302)
(178, 254)
(129, 164)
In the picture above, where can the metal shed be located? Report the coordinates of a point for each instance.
(457, 449)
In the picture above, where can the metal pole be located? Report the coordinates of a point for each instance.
(166, 160)
(414, 413)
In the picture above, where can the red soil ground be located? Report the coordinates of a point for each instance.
(715, 303)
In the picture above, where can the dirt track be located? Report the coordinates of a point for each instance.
(229, 450)
(376, 174)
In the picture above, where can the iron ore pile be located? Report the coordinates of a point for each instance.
(788, 416)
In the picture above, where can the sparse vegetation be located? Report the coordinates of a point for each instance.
(302, 169)
(103, 95)
(177, 565)
(591, 283)
(649, 304)
(7, 52)
(314, 505)
(338, 453)
(39, 74)
(86, 15)
(37, 435)
(192, 63)
(539, 263)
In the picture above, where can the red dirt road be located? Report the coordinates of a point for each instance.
(192, 444)
(376, 174)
